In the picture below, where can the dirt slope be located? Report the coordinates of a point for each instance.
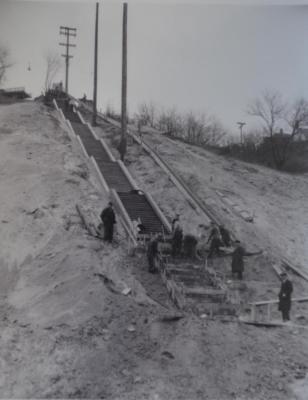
(200, 170)
(64, 330)
(276, 200)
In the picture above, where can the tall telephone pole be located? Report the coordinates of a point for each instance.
(241, 125)
(95, 68)
(68, 32)
(123, 143)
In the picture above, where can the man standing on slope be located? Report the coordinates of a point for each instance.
(152, 253)
(215, 240)
(108, 218)
(238, 259)
(286, 290)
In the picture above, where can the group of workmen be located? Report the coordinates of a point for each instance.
(188, 245)
(219, 238)
(207, 245)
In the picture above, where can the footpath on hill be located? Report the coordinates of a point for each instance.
(68, 331)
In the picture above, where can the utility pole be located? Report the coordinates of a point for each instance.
(240, 125)
(68, 32)
(123, 143)
(95, 68)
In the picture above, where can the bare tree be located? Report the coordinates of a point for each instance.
(201, 129)
(53, 65)
(271, 109)
(170, 122)
(4, 62)
(254, 136)
(214, 132)
(146, 114)
(297, 115)
(193, 128)
(110, 111)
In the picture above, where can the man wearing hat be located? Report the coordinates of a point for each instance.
(152, 252)
(286, 290)
(238, 255)
(108, 219)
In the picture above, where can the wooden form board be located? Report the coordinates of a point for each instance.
(265, 302)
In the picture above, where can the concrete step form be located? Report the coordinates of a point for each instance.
(190, 285)
(92, 145)
(137, 206)
(212, 309)
(187, 273)
(189, 282)
(113, 175)
(195, 289)
(70, 115)
(213, 295)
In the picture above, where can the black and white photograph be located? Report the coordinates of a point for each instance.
(154, 199)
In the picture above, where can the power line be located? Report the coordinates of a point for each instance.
(68, 32)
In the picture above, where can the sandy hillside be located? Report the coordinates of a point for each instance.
(277, 201)
(67, 331)
(211, 177)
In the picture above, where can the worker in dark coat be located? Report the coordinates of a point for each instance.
(225, 236)
(238, 259)
(286, 290)
(122, 147)
(108, 219)
(215, 239)
(190, 246)
(177, 240)
(152, 252)
(175, 222)
(67, 104)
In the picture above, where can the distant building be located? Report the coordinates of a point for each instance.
(281, 137)
(58, 86)
(302, 135)
(278, 138)
(13, 94)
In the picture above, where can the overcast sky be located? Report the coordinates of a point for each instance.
(193, 56)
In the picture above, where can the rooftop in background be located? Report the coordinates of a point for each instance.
(13, 94)
(302, 134)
